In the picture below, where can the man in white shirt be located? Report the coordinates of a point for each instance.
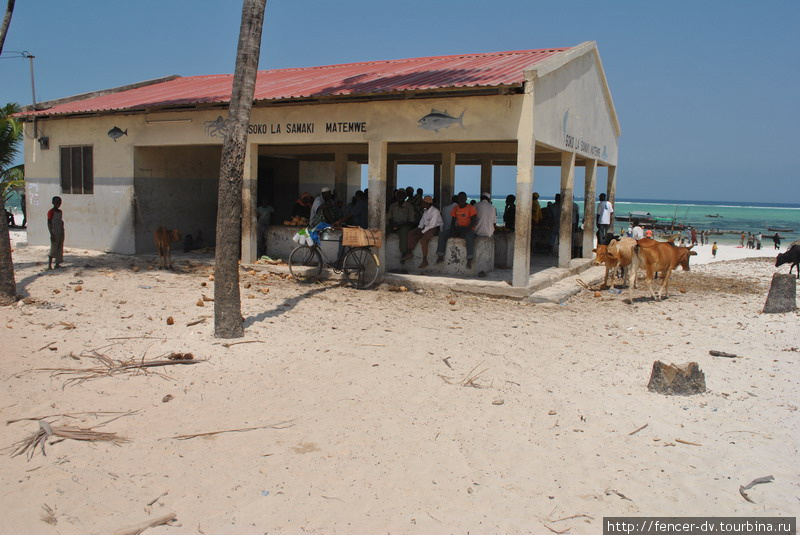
(324, 194)
(637, 233)
(429, 226)
(487, 216)
(604, 211)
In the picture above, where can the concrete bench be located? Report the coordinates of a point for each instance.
(455, 257)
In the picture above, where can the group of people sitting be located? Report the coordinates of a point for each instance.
(459, 219)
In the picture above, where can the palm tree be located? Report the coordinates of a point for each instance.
(10, 178)
(6, 22)
(227, 300)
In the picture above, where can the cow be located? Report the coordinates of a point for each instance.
(617, 254)
(164, 239)
(791, 257)
(658, 256)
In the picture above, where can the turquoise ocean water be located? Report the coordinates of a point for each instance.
(748, 217)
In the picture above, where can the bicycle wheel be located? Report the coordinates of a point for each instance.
(305, 263)
(361, 267)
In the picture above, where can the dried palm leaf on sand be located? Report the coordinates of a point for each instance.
(109, 366)
(38, 439)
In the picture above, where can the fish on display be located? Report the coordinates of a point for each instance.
(437, 120)
(116, 133)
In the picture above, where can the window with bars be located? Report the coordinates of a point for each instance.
(77, 170)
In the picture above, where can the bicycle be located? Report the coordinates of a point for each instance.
(359, 265)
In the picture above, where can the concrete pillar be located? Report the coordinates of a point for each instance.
(565, 224)
(391, 179)
(526, 151)
(249, 201)
(448, 176)
(611, 192)
(589, 207)
(377, 194)
(486, 176)
(340, 176)
(437, 185)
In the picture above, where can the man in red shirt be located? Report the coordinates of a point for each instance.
(464, 217)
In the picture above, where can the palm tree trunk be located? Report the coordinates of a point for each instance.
(8, 286)
(227, 300)
(6, 22)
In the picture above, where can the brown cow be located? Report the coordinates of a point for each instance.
(658, 256)
(617, 254)
(164, 239)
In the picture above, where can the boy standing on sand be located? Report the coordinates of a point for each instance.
(55, 224)
(714, 250)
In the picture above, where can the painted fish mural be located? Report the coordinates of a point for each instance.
(116, 133)
(436, 120)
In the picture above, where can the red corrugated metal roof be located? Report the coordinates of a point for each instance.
(373, 77)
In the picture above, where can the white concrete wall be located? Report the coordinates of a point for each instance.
(100, 221)
(572, 113)
(314, 175)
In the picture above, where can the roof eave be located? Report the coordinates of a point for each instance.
(319, 99)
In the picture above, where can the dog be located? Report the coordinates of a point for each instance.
(164, 239)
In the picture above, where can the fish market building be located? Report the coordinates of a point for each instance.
(130, 159)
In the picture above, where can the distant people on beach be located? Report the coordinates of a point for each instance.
(604, 211)
(714, 250)
(741, 241)
(694, 236)
(758, 240)
(55, 224)
(776, 239)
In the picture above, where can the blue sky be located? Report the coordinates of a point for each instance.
(706, 92)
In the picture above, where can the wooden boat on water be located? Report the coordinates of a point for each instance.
(776, 229)
(647, 220)
(714, 215)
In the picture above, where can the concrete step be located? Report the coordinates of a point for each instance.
(562, 290)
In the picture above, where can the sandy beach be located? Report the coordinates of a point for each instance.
(381, 411)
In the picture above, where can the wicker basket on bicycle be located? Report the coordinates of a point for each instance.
(360, 237)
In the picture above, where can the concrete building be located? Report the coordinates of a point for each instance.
(130, 159)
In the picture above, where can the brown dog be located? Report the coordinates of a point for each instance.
(164, 239)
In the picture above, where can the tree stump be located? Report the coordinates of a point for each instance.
(670, 379)
(782, 296)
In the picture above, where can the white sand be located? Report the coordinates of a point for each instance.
(383, 439)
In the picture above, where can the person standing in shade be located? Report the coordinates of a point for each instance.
(464, 218)
(536, 210)
(510, 213)
(401, 219)
(429, 225)
(55, 224)
(604, 211)
(487, 216)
